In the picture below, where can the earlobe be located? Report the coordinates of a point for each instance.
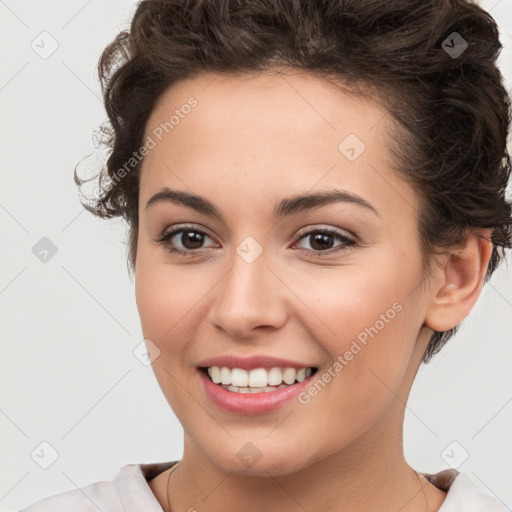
(460, 281)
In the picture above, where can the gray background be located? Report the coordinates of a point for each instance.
(70, 325)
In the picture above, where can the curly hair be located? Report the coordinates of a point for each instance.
(447, 101)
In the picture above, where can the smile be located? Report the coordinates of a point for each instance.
(255, 399)
(257, 380)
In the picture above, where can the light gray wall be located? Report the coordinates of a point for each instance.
(69, 326)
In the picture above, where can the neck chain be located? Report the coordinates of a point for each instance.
(168, 480)
(422, 488)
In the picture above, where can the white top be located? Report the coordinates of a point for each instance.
(130, 492)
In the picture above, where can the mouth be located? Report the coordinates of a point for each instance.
(257, 380)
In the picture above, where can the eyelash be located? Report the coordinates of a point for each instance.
(349, 243)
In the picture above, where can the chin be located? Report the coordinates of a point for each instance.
(250, 461)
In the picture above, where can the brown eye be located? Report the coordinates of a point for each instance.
(322, 240)
(191, 239)
(185, 240)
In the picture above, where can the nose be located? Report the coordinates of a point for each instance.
(249, 297)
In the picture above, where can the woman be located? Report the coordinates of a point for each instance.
(315, 195)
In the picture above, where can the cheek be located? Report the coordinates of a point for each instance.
(369, 327)
(348, 303)
(165, 303)
(165, 300)
(369, 363)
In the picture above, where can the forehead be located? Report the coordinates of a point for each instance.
(265, 134)
(253, 108)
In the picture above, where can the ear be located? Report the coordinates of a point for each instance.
(460, 281)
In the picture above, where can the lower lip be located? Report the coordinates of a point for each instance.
(252, 403)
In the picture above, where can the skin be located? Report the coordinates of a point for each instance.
(250, 142)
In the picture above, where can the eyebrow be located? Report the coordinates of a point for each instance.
(286, 207)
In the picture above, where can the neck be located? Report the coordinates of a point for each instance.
(366, 477)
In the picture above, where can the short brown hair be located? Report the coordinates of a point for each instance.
(431, 63)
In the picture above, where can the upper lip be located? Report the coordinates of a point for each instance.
(252, 362)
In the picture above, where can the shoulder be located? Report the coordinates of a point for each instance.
(462, 494)
(129, 491)
(99, 495)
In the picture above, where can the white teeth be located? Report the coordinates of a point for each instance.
(215, 375)
(225, 375)
(254, 390)
(301, 375)
(258, 378)
(289, 375)
(275, 377)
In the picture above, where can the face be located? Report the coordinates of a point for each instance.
(338, 286)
